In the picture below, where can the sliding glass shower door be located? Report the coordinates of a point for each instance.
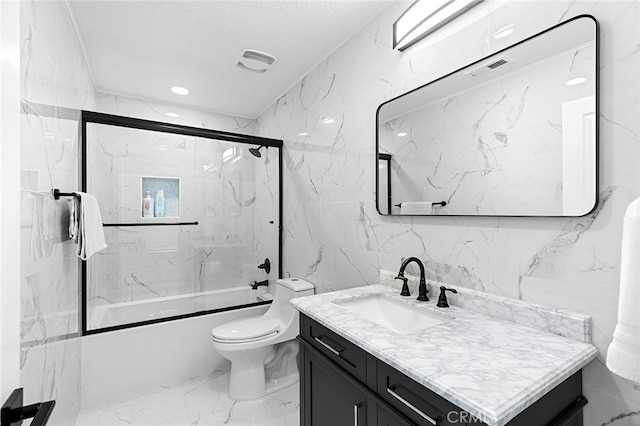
(188, 215)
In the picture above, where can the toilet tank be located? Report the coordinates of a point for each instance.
(287, 289)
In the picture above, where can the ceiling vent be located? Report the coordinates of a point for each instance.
(490, 66)
(255, 61)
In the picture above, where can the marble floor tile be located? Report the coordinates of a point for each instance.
(198, 401)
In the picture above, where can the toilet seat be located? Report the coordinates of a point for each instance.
(246, 330)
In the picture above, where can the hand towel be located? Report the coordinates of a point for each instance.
(623, 356)
(74, 219)
(56, 220)
(39, 247)
(89, 232)
(416, 207)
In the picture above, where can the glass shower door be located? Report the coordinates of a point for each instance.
(187, 218)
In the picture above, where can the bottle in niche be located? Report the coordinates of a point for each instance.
(159, 206)
(147, 205)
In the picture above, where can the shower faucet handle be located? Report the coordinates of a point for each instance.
(266, 265)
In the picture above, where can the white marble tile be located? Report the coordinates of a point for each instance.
(520, 258)
(511, 125)
(55, 85)
(150, 110)
(198, 401)
(607, 409)
(550, 319)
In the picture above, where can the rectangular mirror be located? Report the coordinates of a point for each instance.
(514, 134)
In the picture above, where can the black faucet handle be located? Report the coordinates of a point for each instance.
(405, 287)
(442, 299)
(266, 265)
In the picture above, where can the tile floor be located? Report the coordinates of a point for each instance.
(198, 401)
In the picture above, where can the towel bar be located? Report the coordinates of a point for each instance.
(57, 194)
(109, 225)
(435, 203)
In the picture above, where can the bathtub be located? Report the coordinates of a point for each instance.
(123, 363)
(106, 316)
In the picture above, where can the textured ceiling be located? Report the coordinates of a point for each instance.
(142, 48)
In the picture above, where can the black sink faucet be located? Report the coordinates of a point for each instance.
(422, 289)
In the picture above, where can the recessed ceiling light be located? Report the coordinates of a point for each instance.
(179, 90)
(172, 114)
(575, 81)
(303, 133)
(328, 120)
(503, 32)
(402, 134)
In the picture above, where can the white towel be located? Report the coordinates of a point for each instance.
(623, 356)
(74, 219)
(85, 226)
(39, 247)
(55, 220)
(416, 207)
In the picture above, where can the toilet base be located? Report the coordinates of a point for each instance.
(246, 379)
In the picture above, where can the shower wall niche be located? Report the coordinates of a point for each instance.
(221, 218)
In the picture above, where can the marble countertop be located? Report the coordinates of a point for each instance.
(492, 368)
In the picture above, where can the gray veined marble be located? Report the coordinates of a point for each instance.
(557, 321)
(490, 367)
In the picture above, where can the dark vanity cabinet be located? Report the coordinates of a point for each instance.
(331, 397)
(343, 385)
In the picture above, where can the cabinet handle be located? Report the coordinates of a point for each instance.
(391, 390)
(329, 347)
(355, 413)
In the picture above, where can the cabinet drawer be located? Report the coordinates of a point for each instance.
(415, 401)
(338, 349)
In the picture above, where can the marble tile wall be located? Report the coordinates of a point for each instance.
(55, 85)
(483, 144)
(233, 199)
(336, 239)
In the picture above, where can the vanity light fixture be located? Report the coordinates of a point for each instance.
(328, 120)
(504, 31)
(424, 17)
(303, 133)
(576, 81)
(402, 134)
(179, 90)
(172, 115)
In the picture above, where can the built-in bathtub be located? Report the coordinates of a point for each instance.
(124, 363)
(117, 314)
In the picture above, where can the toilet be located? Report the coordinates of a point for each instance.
(250, 343)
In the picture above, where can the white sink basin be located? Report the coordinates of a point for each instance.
(393, 314)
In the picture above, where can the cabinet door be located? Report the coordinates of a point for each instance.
(388, 418)
(329, 396)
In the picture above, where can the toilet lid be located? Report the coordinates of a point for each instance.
(246, 329)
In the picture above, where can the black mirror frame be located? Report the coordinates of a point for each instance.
(597, 123)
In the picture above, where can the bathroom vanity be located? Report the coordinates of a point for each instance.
(467, 369)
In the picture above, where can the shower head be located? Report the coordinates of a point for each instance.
(256, 151)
